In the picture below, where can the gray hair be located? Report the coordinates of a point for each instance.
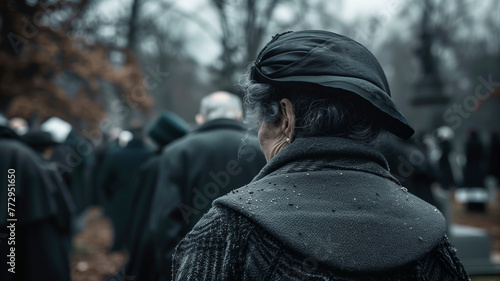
(318, 111)
(221, 105)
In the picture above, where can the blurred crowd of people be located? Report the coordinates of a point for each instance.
(435, 160)
(60, 174)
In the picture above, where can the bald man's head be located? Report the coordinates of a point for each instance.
(219, 105)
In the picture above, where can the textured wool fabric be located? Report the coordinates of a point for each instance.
(326, 202)
(330, 60)
(226, 245)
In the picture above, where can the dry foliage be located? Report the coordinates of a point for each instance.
(37, 47)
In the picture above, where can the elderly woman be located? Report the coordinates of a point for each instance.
(325, 207)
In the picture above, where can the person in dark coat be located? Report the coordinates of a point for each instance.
(325, 207)
(444, 173)
(72, 162)
(474, 167)
(40, 141)
(108, 145)
(494, 157)
(409, 164)
(165, 130)
(196, 169)
(40, 214)
(119, 169)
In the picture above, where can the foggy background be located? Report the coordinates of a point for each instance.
(102, 63)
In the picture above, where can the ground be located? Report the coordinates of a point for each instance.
(91, 260)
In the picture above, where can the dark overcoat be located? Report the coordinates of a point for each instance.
(195, 170)
(42, 209)
(117, 183)
(321, 209)
(72, 159)
(140, 244)
(474, 171)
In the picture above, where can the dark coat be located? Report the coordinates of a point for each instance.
(195, 170)
(445, 173)
(116, 182)
(43, 208)
(494, 157)
(474, 171)
(71, 158)
(321, 209)
(140, 244)
(96, 197)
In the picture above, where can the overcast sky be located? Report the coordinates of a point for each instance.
(202, 46)
(350, 10)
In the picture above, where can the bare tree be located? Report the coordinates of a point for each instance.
(244, 26)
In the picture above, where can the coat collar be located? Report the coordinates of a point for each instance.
(135, 143)
(327, 153)
(222, 123)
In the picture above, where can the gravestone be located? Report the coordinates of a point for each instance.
(473, 244)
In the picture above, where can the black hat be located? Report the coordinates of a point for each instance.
(168, 128)
(38, 139)
(330, 60)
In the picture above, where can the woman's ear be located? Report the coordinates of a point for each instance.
(288, 118)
